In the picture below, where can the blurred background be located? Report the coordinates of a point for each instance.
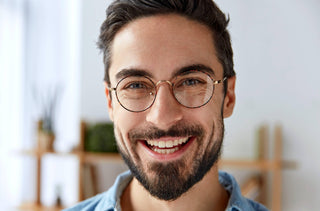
(50, 69)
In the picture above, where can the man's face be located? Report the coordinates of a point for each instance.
(168, 147)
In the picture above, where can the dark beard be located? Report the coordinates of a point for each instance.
(169, 184)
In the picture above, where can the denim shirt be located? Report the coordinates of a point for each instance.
(110, 200)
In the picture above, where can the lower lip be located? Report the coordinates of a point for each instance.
(171, 156)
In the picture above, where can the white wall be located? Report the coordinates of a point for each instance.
(93, 101)
(276, 59)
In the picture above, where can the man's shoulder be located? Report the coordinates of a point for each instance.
(90, 204)
(256, 206)
(237, 201)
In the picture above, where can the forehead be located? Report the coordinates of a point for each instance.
(161, 45)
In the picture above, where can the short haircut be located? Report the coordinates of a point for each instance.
(121, 12)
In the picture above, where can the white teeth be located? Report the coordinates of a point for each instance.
(176, 142)
(167, 144)
(161, 144)
(166, 151)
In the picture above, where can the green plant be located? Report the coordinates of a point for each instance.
(100, 138)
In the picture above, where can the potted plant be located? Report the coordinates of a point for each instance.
(99, 137)
(46, 124)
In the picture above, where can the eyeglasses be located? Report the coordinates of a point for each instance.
(191, 89)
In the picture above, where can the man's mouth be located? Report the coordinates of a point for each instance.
(168, 146)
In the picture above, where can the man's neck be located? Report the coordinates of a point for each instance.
(207, 194)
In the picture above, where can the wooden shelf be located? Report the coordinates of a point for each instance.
(94, 157)
(89, 157)
(248, 164)
(262, 165)
(34, 152)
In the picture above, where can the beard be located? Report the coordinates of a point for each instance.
(172, 179)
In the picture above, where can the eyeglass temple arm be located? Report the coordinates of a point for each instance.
(111, 88)
(219, 81)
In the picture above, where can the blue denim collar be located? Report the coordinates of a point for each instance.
(110, 200)
(236, 201)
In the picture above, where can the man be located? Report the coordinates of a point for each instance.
(169, 84)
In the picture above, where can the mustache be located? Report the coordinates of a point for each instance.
(178, 130)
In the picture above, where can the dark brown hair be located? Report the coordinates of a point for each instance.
(122, 12)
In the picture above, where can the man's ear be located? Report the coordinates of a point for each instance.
(109, 101)
(230, 97)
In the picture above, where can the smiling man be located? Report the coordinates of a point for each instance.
(169, 84)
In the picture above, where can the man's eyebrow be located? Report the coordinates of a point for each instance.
(132, 72)
(201, 67)
(140, 72)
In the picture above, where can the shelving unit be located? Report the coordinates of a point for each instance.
(83, 157)
(263, 165)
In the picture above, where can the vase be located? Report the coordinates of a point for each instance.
(45, 141)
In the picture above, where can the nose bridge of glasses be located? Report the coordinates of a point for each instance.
(163, 81)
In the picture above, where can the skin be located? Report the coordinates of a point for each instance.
(161, 45)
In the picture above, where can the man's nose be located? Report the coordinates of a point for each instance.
(165, 111)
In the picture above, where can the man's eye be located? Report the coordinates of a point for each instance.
(191, 82)
(136, 85)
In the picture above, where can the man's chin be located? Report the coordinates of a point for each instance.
(168, 181)
(165, 181)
